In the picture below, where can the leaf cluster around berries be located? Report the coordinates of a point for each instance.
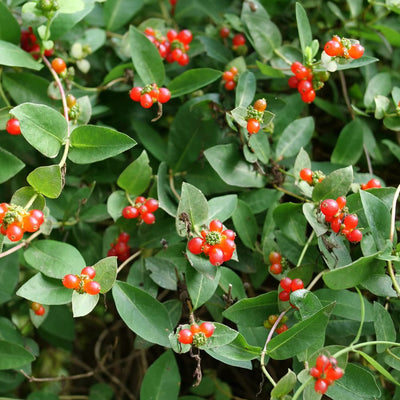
(197, 335)
(120, 248)
(326, 372)
(83, 283)
(149, 95)
(15, 221)
(230, 77)
(142, 209)
(217, 243)
(337, 215)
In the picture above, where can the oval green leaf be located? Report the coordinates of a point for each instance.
(47, 180)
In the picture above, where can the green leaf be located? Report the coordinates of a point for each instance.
(162, 380)
(10, 165)
(334, 185)
(352, 274)
(269, 71)
(192, 80)
(118, 12)
(286, 384)
(379, 84)
(151, 140)
(13, 355)
(145, 57)
(300, 336)
(253, 311)
(106, 273)
(265, 35)
(201, 264)
(384, 327)
(303, 26)
(10, 30)
(245, 224)
(83, 304)
(163, 272)
(116, 203)
(100, 391)
(47, 180)
(9, 274)
(54, 259)
(24, 194)
(290, 220)
(201, 287)
(193, 205)
(95, 143)
(143, 314)
(349, 146)
(13, 56)
(245, 89)
(226, 161)
(165, 196)
(70, 6)
(45, 290)
(43, 127)
(222, 207)
(215, 49)
(378, 217)
(361, 62)
(295, 136)
(260, 145)
(222, 335)
(136, 177)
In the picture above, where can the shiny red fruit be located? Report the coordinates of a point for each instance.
(296, 284)
(185, 36)
(281, 329)
(207, 328)
(354, 236)
(333, 48)
(146, 101)
(58, 65)
(306, 175)
(135, 93)
(321, 386)
(329, 207)
(89, 271)
(356, 51)
(14, 232)
(253, 126)
(216, 225)
(123, 237)
(130, 212)
(13, 127)
(185, 336)
(238, 40)
(224, 32)
(148, 218)
(163, 95)
(285, 283)
(284, 295)
(92, 287)
(275, 269)
(195, 245)
(274, 257)
(216, 256)
(71, 281)
(151, 205)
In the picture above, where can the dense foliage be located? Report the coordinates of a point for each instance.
(198, 199)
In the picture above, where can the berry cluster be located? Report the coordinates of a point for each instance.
(120, 248)
(174, 47)
(311, 177)
(276, 261)
(142, 209)
(197, 334)
(73, 108)
(218, 244)
(303, 81)
(340, 50)
(371, 184)
(37, 308)
(149, 95)
(326, 373)
(59, 65)
(288, 285)
(230, 77)
(84, 282)
(255, 116)
(282, 327)
(29, 44)
(15, 221)
(336, 214)
(13, 127)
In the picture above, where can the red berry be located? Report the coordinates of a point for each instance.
(140, 200)
(162, 49)
(35, 306)
(354, 236)
(229, 234)
(260, 105)
(227, 76)
(30, 223)
(40, 311)
(124, 256)
(92, 287)
(224, 32)
(321, 386)
(228, 247)
(13, 127)
(334, 373)
(356, 51)
(207, 328)
(275, 269)
(306, 175)
(230, 85)
(194, 328)
(275, 257)
(293, 82)
(350, 221)
(3, 211)
(234, 70)
(301, 72)
(286, 283)
(183, 59)
(38, 215)
(123, 237)
(329, 207)
(284, 296)
(146, 101)
(176, 54)
(89, 271)
(58, 65)
(148, 218)
(14, 232)
(185, 36)
(71, 281)
(296, 66)
(296, 284)
(332, 48)
(253, 126)
(315, 372)
(308, 97)
(143, 209)
(341, 202)
(216, 256)
(336, 224)
(151, 205)
(216, 225)
(185, 336)
(373, 183)
(130, 212)
(112, 252)
(195, 245)
(322, 362)
(135, 93)
(238, 40)
(281, 329)
(304, 87)
(163, 95)
(172, 35)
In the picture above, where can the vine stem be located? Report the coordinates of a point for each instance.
(20, 245)
(357, 338)
(304, 251)
(356, 346)
(279, 54)
(65, 109)
(281, 189)
(172, 185)
(391, 237)
(128, 260)
(31, 201)
(301, 388)
(316, 279)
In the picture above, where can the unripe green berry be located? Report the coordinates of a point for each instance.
(213, 238)
(199, 339)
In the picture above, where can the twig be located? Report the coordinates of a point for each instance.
(304, 251)
(172, 185)
(128, 260)
(281, 189)
(57, 378)
(20, 245)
